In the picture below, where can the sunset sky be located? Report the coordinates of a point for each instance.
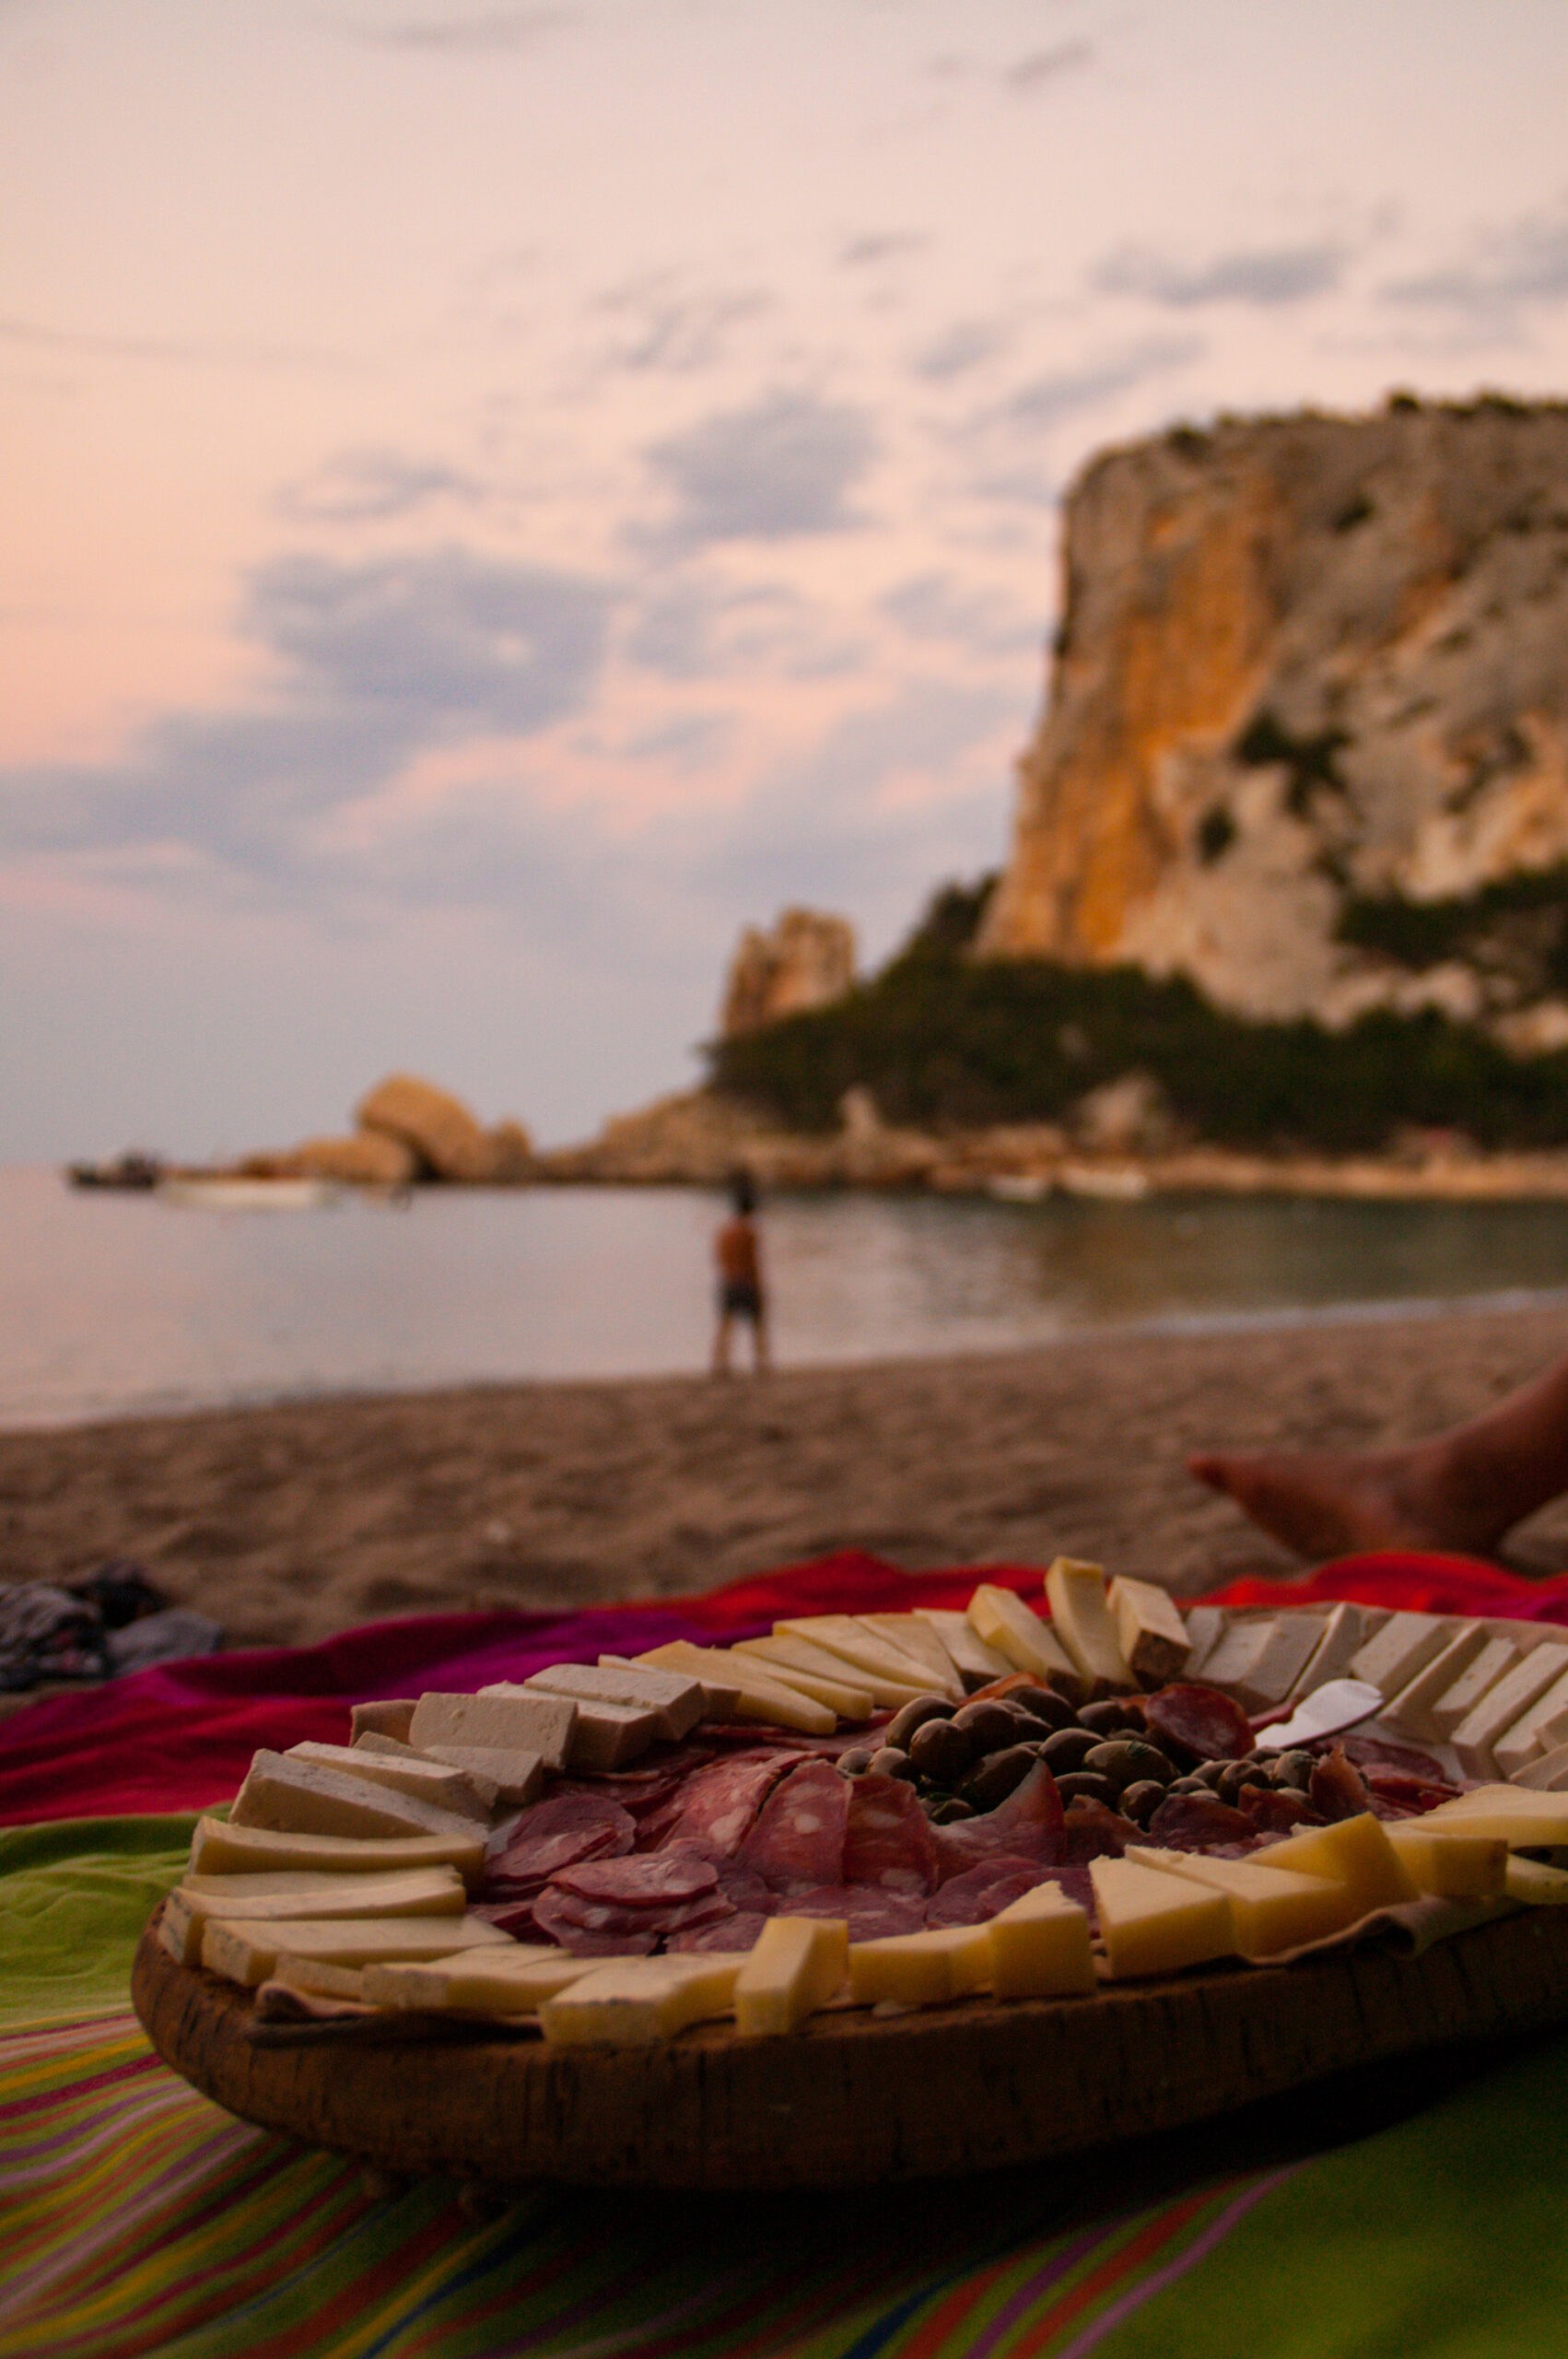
(497, 498)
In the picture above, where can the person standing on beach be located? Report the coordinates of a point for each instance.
(738, 1256)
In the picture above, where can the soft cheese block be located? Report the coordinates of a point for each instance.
(1502, 1705)
(1453, 1706)
(520, 1720)
(636, 2001)
(1345, 1633)
(1538, 1730)
(1393, 1656)
(1357, 1853)
(1040, 1946)
(708, 1666)
(676, 1702)
(421, 1892)
(976, 1664)
(1259, 1661)
(1154, 1923)
(246, 1951)
(513, 1776)
(795, 1966)
(427, 1781)
(1150, 1630)
(1005, 1622)
(1081, 1619)
(484, 1981)
(1410, 1709)
(219, 1848)
(786, 1649)
(1206, 1625)
(1271, 1908)
(921, 1969)
(391, 1717)
(1548, 1771)
(301, 1798)
(603, 1736)
(1450, 1863)
(754, 1695)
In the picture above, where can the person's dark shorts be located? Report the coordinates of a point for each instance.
(739, 1298)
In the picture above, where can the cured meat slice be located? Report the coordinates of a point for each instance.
(975, 1898)
(1273, 1813)
(1200, 1721)
(1337, 1789)
(798, 1840)
(1197, 1822)
(590, 1930)
(646, 1880)
(1026, 1825)
(513, 1916)
(556, 1834)
(1091, 1831)
(867, 1912)
(888, 1841)
(1377, 1753)
(717, 1804)
(737, 1932)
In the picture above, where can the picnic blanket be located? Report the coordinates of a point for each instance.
(138, 2218)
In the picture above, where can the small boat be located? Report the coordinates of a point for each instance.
(1117, 1183)
(217, 1193)
(132, 1170)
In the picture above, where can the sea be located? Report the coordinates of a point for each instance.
(115, 1305)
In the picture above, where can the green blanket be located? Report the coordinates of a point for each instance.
(74, 1896)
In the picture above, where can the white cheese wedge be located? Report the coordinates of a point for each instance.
(1345, 1632)
(487, 1981)
(1271, 1908)
(756, 1696)
(1540, 1729)
(1154, 1923)
(795, 1966)
(429, 1781)
(1081, 1620)
(1150, 1630)
(316, 1978)
(1040, 1946)
(1447, 1862)
(1259, 1661)
(1500, 1710)
(976, 1664)
(1548, 1771)
(1534, 1882)
(518, 1721)
(652, 1671)
(1206, 1625)
(390, 1717)
(604, 1736)
(921, 1969)
(848, 1703)
(1526, 1819)
(843, 1635)
(1357, 1853)
(1405, 1644)
(301, 1798)
(787, 1647)
(1410, 1710)
(514, 1777)
(305, 1883)
(1005, 1622)
(422, 1892)
(637, 2001)
(219, 1848)
(247, 1951)
(913, 1636)
(392, 1748)
(675, 1702)
(708, 1665)
(1496, 1659)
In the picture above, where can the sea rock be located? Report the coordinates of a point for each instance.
(438, 1129)
(1304, 662)
(369, 1159)
(806, 961)
(703, 1136)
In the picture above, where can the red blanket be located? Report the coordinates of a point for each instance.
(181, 1736)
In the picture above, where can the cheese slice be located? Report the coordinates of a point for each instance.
(1410, 1710)
(1005, 1622)
(1405, 1644)
(787, 1647)
(1538, 1730)
(520, 1720)
(1154, 1923)
(1548, 1771)
(756, 1696)
(246, 1951)
(1081, 1619)
(637, 2001)
(1040, 1946)
(1450, 1863)
(304, 1884)
(976, 1664)
(485, 1982)
(515, 1776)
(1526, 1819)
(219, 1847)
(843, 1635)
(1150, 1630)
(921, 1969)
(316, 1978)
(1355, 1852)
(1271, 1908)
(795, 1966)
(604, 1735)
(422, 1892)
(1345, 1633)
(1534, 1882)
(1206, 1625)
(916, 1638)
(632, 1687)
(708, 1665)
(848, 1703)
(1453, 1706)
(1259, 1661)
(430, 1781)
(390, 1717)
(292, 1797)
(1501, 1708)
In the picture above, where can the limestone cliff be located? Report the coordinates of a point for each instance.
(1304, 663)
(806, 961)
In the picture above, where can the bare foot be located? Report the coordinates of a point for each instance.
(1331, 1503)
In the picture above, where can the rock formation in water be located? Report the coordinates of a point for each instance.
(441, 1133)
(1306, 733)
(806, 961)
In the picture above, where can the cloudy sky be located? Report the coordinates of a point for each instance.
(498, 497)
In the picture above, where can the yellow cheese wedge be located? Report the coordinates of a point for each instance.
(756, 1696)
(247, 1951)
(848, 1703)
(1447, 1862)
(1081, 1620)
(1533, 1882)
(1005, 1622)
(913, 1636)
(796, 1966)
(1150, 1630)
(316, 1978)
(787, 1646)
(1271, 1908)
(1526, 1818)
(409, 1773)
(636, 2001)
(1154, 1923)
(1356, 1852)
(1040, 1946)
(976, 1664)
(921, 1970)
(497, 1981)
(843, 1635)
(219, 1847)
(719, 1693)
(423, 1892)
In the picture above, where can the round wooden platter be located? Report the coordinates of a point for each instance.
(855, 2099)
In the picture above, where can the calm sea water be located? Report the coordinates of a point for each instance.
(111, 1304)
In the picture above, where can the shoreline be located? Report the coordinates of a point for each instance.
(290, 1520)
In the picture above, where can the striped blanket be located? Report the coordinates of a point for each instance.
(136, 2217)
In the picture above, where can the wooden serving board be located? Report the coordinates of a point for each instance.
(853, 2099)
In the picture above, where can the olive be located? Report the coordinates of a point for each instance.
(1139, 1800)
(988, 1723)
(1233, 1776)
(1067, 1750)
(950, 1808)
(1209, 1773)
(1292, 1769)
(1294, 1794)
(891, 1760)
(997, 1776)
(1042, 1703)
(1124, 1761)
(942, 1751)
(1087, 1784)
(914, 1715)
(1107, 1718)
(1186, 1786)
(855, 1762)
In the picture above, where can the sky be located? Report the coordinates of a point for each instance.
(498, 498)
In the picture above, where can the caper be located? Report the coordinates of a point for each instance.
(1125, 1762)
(1067, 1750)
(1087, 1784)
(997, 1776)
(891, 1760)
(1139, 1800)
(914, 1715)
(942, 1752)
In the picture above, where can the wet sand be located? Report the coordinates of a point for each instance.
(288, 1522)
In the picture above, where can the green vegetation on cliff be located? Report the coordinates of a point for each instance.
(944, 1041)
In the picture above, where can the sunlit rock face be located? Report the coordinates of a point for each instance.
(1304, 662)
(807, 961)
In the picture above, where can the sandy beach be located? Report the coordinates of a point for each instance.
(288, 1522)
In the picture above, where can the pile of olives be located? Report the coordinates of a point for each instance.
(963, 1759)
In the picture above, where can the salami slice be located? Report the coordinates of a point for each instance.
(646, 1880)
(717, 1804)
(737, 1932)
(1273, 1813)
(1027, 1825)
(975, 1898)
(590, 1930)
(1393, 1795)
(1371, 1753)
(797, 1841)
(1198, 1822)
(888, 1839)
(867, 1912)
(1200, 1723)
(556, 1834)
(1089, 1831)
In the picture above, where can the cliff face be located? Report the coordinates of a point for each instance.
(806, 961)
(1304, 662)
